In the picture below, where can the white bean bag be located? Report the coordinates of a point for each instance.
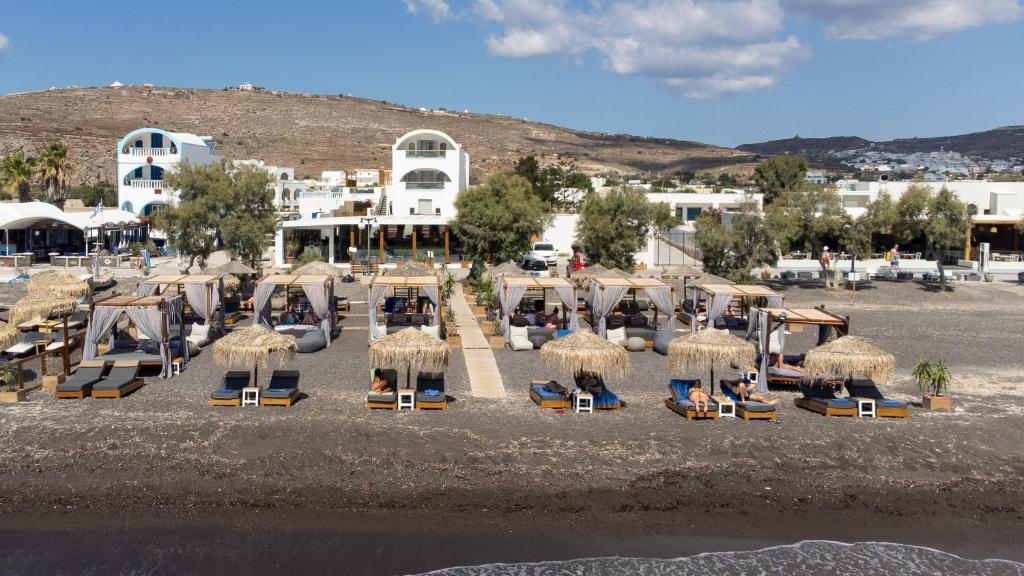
(519, 338)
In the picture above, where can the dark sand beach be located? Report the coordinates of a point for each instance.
(160, 483)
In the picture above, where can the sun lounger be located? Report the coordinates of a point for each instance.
(80, 384)
(387, 400)
(820, 398)
(884, 407)
(430, 392)
(680, 401)
(283, 389)
(748, 409)
(542, 395)
(122, 380)
(608, 400)
(230, 392)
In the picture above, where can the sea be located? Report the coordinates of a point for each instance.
(813, 557)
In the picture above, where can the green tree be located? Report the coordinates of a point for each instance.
(802, 218)
(856, 237)
(735, 250)
(528, 167)
(55, 169)
(946, 226)
(91, 195)
(17, 172)
(714, 242)
(613, 227)
(912, 213)
(220, 204)
(499, 218)
(880, 217)
(779, 174)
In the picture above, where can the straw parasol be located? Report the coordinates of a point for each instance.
(711, 279)
(317, 269)
(410, 349)
(231, 283)
(581, 276)
(9, 336)
(58, 283)
(847, 356)
(707, 348)
(585, 352)
(681, 270)
(41, 307)
(509, 268)
(233, 267)
(252, 347)
(410, 268)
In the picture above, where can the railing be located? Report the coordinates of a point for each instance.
(146, 184)
(424, 185)
(151, 152)
(426, 153)
(31, 369)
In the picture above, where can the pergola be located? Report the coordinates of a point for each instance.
(772, 319)
(204, 292)
(606, 293)
(511, 291)
(380, 286)
(723, 297)
(153, 316)
(318, 289)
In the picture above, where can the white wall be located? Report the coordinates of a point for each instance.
(562, 232)
(454, 164)
(140, 197)
(980, 193)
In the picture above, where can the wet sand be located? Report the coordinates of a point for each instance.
(158, 482)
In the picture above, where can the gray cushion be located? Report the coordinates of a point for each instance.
(389, 398)
(288, 393)
(119, 377)
(226, 394)
(784, 372)
(635, 344)
(833, 403)
(754, 406)
(311, 341)
(662, 338)
(644, 333)
(538, 340)
(712, 405)
(536, 330)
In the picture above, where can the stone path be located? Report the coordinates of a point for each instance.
(484, 377)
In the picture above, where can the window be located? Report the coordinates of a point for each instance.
(693, 213)
(424, 206)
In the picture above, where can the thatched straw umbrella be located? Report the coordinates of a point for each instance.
(680, 271)
(317, 269)
(231, 283)
(509, 268)
(848, 356)
(233, 267)
(410, 349)
(58, 283)
(42, 307)
(585, 352)
(582, 276)
(410, 268)
(252, 347)
(711, 279)
(704, 349)
(9, 336)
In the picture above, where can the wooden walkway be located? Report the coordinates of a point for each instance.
(484, 377)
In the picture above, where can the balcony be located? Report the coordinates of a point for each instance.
(149, 184)
(152, 152)
(426, 153)
(424, 185)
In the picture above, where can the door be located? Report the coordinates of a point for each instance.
(424, 206)
(158, 141)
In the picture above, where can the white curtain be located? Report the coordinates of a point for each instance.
(218, 298)
(147, 288)
(717, 306)
(377, 292)
(149, 321)
(321, 303)
(509, 297)
(661, 297)
(775, 301)
(103, 319)
(752, 316)
(176, 317)
(567, 294)
(696, 302)
(604, 300)
(199, 298)
(765, 337)
(433, 293)
(261, 303)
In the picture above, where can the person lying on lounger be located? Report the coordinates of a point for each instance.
(698, 395)
(380, 384)
(779, 361)
(747, 391)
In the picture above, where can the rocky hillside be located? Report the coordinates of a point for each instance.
(319, 132)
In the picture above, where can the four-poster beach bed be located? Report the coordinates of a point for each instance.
(513, 290)
(767, 328)
(204, 294)
(159, 319)
(407, 289)
(318, 290)
(607, 292)
(725, 301)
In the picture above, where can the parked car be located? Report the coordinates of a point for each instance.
(536, 267)
(543, 251)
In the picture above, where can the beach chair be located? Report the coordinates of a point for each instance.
(546, 394)
(748, 409)
(230, 391)
(820, 398)
(680, 401)
(884, 407)
(122, 380)
(388, 401)
(430, 392)
(283, 389)
(607, 400)
(80, 384)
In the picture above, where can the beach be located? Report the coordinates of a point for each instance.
(159, 482)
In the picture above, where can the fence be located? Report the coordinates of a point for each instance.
(31, 369)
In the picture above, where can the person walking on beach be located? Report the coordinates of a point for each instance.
(826, 264)
(894, 258)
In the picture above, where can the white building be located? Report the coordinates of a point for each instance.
(687, 207)
(430, 169)
(145, 155)
(286, 188)
(986, 199)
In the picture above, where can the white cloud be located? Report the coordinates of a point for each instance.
(4, 42)
(924, 19)
(439, 10)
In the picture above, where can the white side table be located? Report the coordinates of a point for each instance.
(583, 402)
(726, 407)
(406, 398)
(250, 396)
(865, 407)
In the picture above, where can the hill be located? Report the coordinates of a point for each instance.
(319, 132)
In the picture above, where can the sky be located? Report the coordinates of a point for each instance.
(724, 72)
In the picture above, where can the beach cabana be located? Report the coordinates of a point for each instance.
(723, 299)
(203, 292)
(319, 292)
(158, 319)
(511, 291)
(606, 293)
(407, 289)
(412, 350)
(582, 352)
(767, 327)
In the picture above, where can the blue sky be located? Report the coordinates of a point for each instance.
(719, 71)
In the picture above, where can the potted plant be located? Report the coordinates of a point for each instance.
(53, 373)
(292, 249)
(10, 390)
(497, 337)
(934, 379)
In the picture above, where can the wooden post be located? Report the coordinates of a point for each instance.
(446, 254)
(414, 242)
(380, 243)
(67, 362)
(967, 244)
(351, 238)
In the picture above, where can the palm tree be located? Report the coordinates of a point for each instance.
(54, 170)
(17, 171)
